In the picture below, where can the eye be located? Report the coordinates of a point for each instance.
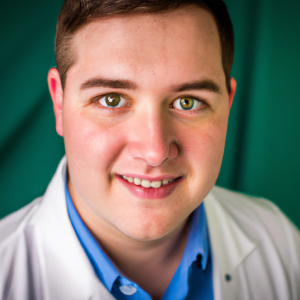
(186, 103)
(112, 101)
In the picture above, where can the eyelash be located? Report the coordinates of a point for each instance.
(98, 98)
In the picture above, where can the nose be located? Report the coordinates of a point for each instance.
(152, 140)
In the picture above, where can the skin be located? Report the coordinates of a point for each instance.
(148, 137)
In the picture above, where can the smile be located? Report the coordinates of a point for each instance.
(147, 183)
(150, 189)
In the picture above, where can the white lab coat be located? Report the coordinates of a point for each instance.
(252, 242)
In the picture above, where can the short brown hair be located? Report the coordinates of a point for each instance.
(75, 14)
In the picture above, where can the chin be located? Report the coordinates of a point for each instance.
(151, 232)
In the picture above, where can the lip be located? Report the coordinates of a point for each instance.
(150, 193)
(158, 178)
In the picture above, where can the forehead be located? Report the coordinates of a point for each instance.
(184, 41)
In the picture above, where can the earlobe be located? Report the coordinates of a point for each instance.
(56, 93)
(233, 89)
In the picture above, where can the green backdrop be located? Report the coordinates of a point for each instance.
(262, 150)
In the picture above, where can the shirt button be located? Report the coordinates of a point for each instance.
(227, 277)
(127, 289)
(199, 261)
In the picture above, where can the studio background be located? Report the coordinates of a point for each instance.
(262, 154)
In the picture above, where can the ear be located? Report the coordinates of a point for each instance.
(233, 89)
(56, 93)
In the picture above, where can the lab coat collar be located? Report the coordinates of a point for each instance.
(230, 244)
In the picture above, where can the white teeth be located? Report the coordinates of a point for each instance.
(137, 181)
(156, 184)
(145, 183)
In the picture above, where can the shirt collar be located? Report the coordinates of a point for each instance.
(197, 243)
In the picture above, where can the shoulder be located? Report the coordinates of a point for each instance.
(253, 236)
(15, 240)
(15, 223)
(22, 233)
(47, 207)
(261, 220)
(250, 206)
(253, 208)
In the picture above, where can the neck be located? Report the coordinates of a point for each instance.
(150, 264)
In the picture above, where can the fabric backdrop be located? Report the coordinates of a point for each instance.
(262, 149)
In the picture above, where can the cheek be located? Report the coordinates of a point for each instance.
(204, 146)
(89, 143)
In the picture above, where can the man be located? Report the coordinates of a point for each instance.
(141, 95)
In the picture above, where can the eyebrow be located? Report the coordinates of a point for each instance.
(205, 84)
(109, 83)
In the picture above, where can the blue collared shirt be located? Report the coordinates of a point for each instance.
(192, 279)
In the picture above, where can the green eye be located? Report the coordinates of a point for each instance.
(112, 100)
(186, 103)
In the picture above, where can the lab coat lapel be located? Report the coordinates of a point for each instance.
(67, 270)
(230, 246)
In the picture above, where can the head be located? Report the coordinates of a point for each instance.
(142, 90)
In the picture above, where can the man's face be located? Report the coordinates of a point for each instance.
(145, 99)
